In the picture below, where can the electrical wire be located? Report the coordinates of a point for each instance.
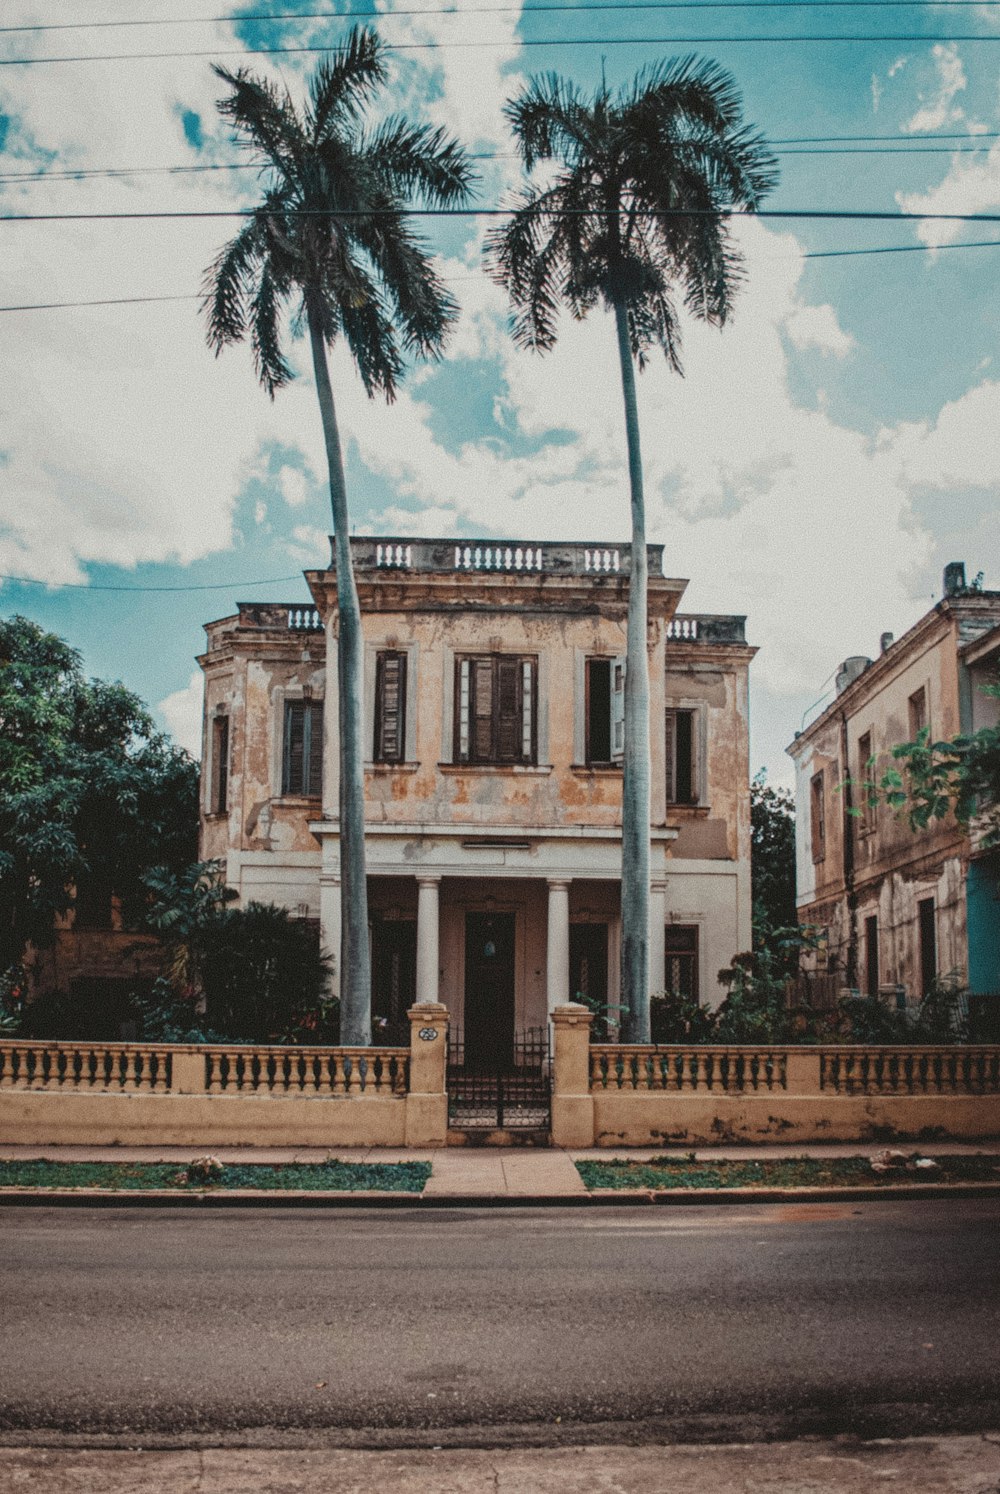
(859, 215)
(210, 586)
(526, 10)
(522, 41)
(90, 173)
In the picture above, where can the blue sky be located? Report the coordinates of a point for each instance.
(824, 457)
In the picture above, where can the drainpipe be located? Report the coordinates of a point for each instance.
(851, 972)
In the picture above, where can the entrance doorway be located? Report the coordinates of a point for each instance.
(394, 978)
(489, 991)
(588, 970)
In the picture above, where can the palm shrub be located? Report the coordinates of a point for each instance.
(632, 216)
(331, 239)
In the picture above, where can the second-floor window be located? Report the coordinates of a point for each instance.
(817, 816)
(917, 710)
(496, 708)
(302, 759)
(605, 711)
(390, 706)
(682, 757)
(866, 775)
(220, 765)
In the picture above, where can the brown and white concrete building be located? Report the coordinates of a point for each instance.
(898, 908)
(493, 701)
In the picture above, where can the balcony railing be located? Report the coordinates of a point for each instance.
(295, 617)
(507, 557)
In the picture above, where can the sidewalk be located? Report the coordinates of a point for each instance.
(508, 1174)
(931, 1465)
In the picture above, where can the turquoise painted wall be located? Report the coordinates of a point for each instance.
(983, 907)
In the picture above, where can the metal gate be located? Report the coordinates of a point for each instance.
(502, 1096)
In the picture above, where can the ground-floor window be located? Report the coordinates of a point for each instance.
(928, 944)
(681, 965)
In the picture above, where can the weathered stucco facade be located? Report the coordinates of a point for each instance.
(493, 681)
(899, 908)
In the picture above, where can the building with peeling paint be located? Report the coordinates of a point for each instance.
(899, 908)
(493, 716)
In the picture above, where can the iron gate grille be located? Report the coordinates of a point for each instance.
(504, 1096)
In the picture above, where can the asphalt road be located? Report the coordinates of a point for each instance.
(471, 1326)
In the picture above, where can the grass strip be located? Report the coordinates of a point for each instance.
(780, 1172)
(330, 1176)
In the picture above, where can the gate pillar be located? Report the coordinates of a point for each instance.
(427, 1097)
(572, 1102)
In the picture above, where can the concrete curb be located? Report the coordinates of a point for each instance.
(300, 1198)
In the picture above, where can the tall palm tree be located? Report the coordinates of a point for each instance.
(331, 241)
(633, 218)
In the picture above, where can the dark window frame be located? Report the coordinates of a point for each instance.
(917, 712)
(307, 783)
(872, 965)
(382, 748)
(672, 734)
(817, 815)
(868, 815)
(687, 939)
(494, 755)
(221, 748)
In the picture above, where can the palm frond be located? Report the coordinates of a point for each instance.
(420, 161)
(227, 286)
(343, 82)
(265, 334)
(264, 119)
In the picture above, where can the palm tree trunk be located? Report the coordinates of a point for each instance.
(355, 956)
(635, 784)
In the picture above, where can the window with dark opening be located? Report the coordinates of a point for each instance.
(681, 747)
(865, 791)
(495, 709)
(681, 965)
(220, 765)
(302, 772)
(390, 707)
(871, 956)
(605, 711)
(917, 712)
(928, 944)
(817, 816)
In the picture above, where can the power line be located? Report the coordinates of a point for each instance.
(554, 41)
(211, 586)
(818, 214)
(527, 10)
(455, 279)
(91, 173)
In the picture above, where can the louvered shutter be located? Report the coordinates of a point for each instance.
(314, 781)
(390, 708)
(617, 710)
(670, 743)
(294, 754)
(482, 710)
(509, 714)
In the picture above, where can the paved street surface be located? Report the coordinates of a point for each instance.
(476, 1327)
(956, 1465)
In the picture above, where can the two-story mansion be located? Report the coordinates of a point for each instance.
(494, 712)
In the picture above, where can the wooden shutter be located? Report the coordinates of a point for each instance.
(482, 710)
(314, 724)
(220, 764)
(462, 715)
(294, 753)
(617, 710)
(390, 708)
(508, 711)
(670, 743)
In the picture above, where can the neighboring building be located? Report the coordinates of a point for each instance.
(494, 713)
(897, 907)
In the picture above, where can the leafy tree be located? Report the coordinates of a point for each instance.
(89, 789)
(772, 847)
(632, 217)
(960, 776)
(331, 234)
(262, 972)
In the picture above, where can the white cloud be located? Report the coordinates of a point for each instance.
(181, 713)
(817, 327)
(972, 185)
(940, 108)
(295, 487)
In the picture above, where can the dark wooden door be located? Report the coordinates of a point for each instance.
(489, 991)
(394, 978)
(588, 969)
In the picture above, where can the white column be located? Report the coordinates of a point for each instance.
(657, 936)
(427, 938)
(329, 925)
(557, 952)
